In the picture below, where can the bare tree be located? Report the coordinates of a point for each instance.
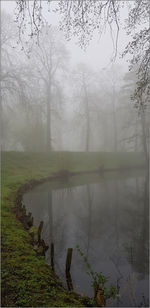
(10, 78)
(83, 17)
(137, 120)
(84, 83)
(50, 61)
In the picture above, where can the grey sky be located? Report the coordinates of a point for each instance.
(98, 54)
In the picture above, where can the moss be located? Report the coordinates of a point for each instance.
(33, 231)
(27, 281)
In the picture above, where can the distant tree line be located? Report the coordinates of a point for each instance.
(45, 105)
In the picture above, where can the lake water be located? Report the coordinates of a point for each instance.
(107, 216)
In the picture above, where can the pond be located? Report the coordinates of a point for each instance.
(107, 216)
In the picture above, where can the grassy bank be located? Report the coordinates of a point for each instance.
(26, 279)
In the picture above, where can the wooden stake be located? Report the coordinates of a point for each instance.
(68, 259)
(68, 266)
(52, 256)
(39, 231)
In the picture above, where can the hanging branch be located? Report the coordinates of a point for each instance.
(81, 18)
(139, 48)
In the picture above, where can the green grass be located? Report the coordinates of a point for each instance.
(27, 281)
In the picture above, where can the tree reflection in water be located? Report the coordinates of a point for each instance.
(108, 219)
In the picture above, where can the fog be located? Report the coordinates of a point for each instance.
(61, 97)
(74, 128)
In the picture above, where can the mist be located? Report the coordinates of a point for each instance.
(75, 120)
(90, 99)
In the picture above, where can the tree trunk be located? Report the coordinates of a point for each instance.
(48, 131)
(114, 120)
(136, 135)
(144, 135)
(87, 115)
(87, 128)
(1, 127)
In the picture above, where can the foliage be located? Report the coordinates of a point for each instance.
(83, 18)
(139, 48)
(98, 279)
(22, 282)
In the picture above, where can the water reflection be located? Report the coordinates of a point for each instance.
(108, 219)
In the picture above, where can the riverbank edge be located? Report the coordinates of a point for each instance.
(53, 293)
(48, 297)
